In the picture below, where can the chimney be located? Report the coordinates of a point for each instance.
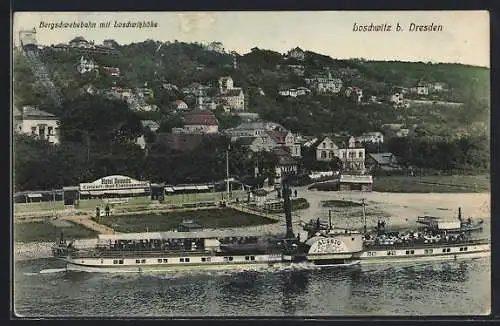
(288, 209)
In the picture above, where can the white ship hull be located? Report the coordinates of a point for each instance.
(387, 256)
(185, 263)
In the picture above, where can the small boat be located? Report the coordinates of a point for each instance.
(455, 225)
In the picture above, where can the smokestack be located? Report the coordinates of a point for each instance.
(330, 219)
(288, 210)
(460, 213)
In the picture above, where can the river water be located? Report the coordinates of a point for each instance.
(42, 289)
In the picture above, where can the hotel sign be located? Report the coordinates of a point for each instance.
(114, 182)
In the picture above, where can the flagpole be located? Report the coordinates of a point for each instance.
(227, 170)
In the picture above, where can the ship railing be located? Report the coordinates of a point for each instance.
(426, 244)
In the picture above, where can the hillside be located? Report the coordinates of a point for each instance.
(98, 131)
(181, 64)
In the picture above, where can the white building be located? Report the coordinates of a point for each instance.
(229, 96)
(215, 46)
(343, 148)
(294, 92)
(371, 137)
(296, 53)
(86, 65)
(152, 125)
(37, 123)
(325, 84)
(355, 93)
(252, 129)
(180, 105)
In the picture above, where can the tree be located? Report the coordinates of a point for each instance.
(100, 120)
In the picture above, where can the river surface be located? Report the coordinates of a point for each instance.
(42, 289)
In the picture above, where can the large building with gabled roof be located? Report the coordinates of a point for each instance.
(37, 123)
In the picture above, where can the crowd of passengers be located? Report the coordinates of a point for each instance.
(171, 244)
(155, 244)
(411, 237)
(238, 240)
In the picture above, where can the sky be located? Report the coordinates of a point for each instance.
(464, 38)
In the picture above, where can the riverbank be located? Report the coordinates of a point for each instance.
(397, 209)
(419, 184)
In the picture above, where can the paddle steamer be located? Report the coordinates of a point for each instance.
(447, 240)
(316, 244)
(160, 251)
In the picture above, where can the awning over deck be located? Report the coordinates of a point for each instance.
(203, 234)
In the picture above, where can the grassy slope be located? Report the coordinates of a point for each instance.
(442, 184)
(46, 231)
(210, 218)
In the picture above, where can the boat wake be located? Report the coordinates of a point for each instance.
(52, 270)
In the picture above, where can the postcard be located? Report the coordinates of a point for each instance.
(251, 164)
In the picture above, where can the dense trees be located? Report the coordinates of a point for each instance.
(464, 154)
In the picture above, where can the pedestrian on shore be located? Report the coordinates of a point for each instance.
(295, 192)
(107, 209)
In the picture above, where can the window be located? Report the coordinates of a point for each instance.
(247, 257)
(165, 260)
(447, 249)
(181, 260)
(159, 260)
(323, 154)
(50, 131)
(186, 260)
(203, 259)
(120, 261)
(41, 131)
(252, 258)
(137, 261)
(465, 248)
(33, 130)
(391, 253)
(115, 261)
(444, 249)
(428, 251)
(143, 261)
(102, 261)
(360, 154)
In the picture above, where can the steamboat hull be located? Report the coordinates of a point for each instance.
(389, 256)
(192, 263)
(173, 268)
